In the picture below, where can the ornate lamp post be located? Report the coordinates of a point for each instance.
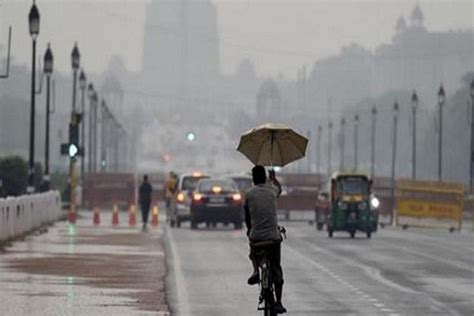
(48, 70)
(394, 155)
(82, 86)
(441, 101)
(34, 26)
(372, 141)
(414, 107)
(90, 93)
(471, 173)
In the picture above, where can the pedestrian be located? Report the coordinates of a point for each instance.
(262, 225)
(145, 200)
(170, 188)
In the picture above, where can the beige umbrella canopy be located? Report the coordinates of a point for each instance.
(272, 145)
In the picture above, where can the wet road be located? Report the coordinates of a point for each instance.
(414, 272)
(85, 270)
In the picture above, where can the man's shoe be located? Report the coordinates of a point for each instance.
(254, 278)
(279, 308)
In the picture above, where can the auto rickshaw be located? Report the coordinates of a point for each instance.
(350, 205)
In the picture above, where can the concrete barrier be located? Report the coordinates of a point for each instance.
(21, 214)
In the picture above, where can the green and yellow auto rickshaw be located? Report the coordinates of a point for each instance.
(351, 207)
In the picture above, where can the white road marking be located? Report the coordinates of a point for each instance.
(182, 292)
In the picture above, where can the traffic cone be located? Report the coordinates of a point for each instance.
(132, 216)
(96, 216)
(154, 219)
(115, 216)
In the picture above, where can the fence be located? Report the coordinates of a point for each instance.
(19, 215)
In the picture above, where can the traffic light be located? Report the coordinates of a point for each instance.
(190, 136)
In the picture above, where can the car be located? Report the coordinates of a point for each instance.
(243, 182)
(179, 210)
(217, 201)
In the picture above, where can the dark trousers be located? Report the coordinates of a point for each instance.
(274, 256)
(145, 207)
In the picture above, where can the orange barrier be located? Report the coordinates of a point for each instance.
(132, 215)
(96, 216)
(115, 216)
(155, 214)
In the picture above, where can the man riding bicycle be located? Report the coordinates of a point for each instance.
(262, 225)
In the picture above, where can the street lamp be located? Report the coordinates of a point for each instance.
(343, 133)
(82, 86)
(90, 94)
(394, 155)
(48, 70)
(471, 174)
(75, 63)
(103, 136)
(372, 140)
(356, 141)
(34, 26)
(441, 101)
(318, 153)
(414, 107)
(329, 147)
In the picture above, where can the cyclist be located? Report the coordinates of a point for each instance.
(262, 225)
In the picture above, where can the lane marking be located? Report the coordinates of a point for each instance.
(181, 290)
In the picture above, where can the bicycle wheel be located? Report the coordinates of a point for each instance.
(269, 303)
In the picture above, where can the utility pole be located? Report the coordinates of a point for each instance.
(308, 159)
(318, 153)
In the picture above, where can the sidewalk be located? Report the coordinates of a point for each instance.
(85, 270)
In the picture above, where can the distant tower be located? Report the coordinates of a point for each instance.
(401, 25)
(417, 18)
(268, 102)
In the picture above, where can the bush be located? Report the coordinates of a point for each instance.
(14, 175)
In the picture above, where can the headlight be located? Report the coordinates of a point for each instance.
(374, 202)
(342, 206)
(362, 206)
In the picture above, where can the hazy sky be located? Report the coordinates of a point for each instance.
(278, 35)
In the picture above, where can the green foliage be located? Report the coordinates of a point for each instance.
(14, 175)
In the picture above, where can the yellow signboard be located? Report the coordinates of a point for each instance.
(429, 200)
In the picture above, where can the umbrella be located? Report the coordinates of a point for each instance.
(272, 145)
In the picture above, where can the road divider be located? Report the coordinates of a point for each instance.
(19, 215)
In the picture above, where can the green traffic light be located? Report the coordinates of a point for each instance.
(73, 150)
(191, 136)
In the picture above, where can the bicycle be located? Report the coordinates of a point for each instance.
(266, 300)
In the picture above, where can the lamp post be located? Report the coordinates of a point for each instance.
(441, 101)
(82, 86)
(356, 142)
(471, 173)
(343, 140)
(329, 147)
(414, 107)
(90, 94)
(103, 140)
(394, 155)
(48, 70)
(372, 141)
(318, 152)
(75, 63)
(94, 132)
(34, 26)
